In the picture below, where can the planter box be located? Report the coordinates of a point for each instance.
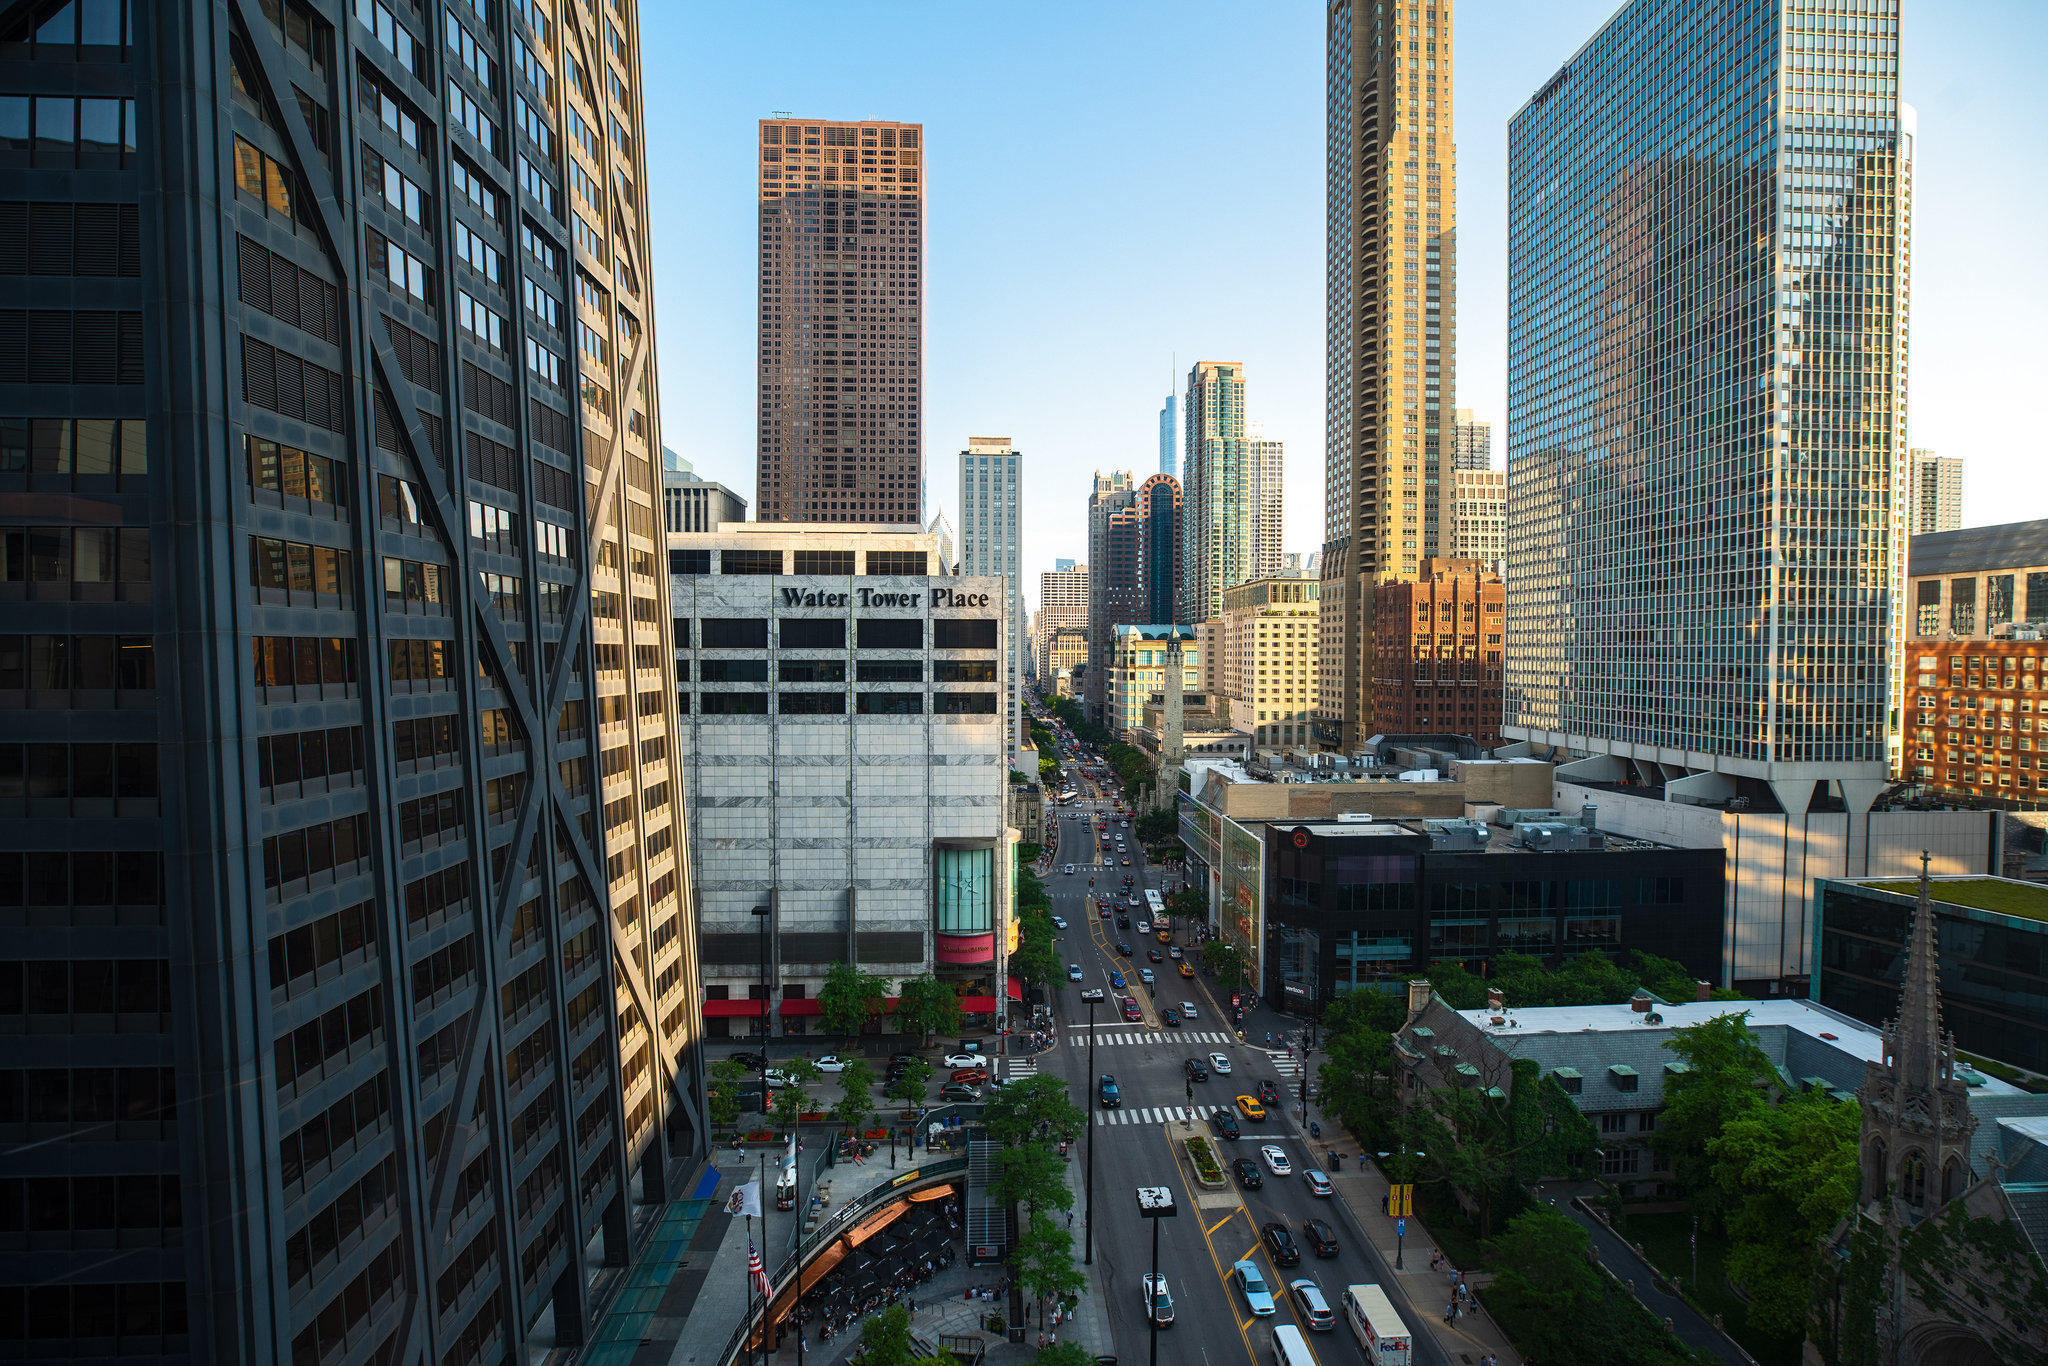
(1200, 1151)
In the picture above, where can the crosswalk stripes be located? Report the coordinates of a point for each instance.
(1168, 1114)
(1013, 1068)
(1126, 1038)
(1286, 1064)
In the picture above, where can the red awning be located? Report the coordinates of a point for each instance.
(716, 1009)
(978, 1005)
(800, 1007)
(1016, 990)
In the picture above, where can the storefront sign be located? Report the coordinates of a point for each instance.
(943, 599)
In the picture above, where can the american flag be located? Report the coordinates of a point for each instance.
(757, 1275)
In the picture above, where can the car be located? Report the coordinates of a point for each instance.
(959, 1092)
(1125, 824)
(1092, 994)
(1116, 979)
(1103, 912)
(1145, 976)
(1059, 922)
(1187, 969)
(831, 1062)
(1280, 1244)
(1131, 1011)
(1170, 1018)
(1123, 922)
(1187, 1010)
(1173, 953)
(964, 1060)
(1258, 1296)
(1144, 927)
(1158, 1300)
(1320, 1237)
(750, 1059)
(1074, 972)
(1124, 949)
(1220, 1063)
(1316, 1314)
(1070, 870)
(1276, 1160)
(1269, 1092)
(775, 1076)
(1224, 1123)
(1318, 1184)
(976, 1075)
(1154, 956)
(1108, 1094)
(1126, 863)
(1247, 1173)
(1164, 936)
(1196, 1069)
(1250, 1108)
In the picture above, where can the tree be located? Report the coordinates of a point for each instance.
(1044, 1258)
(1726, 1078)
(1222, 960)
(856, 1105)
(850, 999)
(915, 1083)
(1036, 960)
(1557, 1306)
(1157, 827)
(1458, 986)
(1064, 1354)
(885, 1339)
(1787, 1174)
(1495, 1137)
(926, 1006)
(723, 1093)
(793, 1098)
(1018, 1112)
(1033, 1175)
(1357, 1079)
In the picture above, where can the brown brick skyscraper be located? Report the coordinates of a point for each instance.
(1436, 652)
(842, 322)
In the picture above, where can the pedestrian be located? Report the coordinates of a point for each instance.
(913, 1304)
(1450, 1314)
(1436, 1261)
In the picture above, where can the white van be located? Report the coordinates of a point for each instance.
(1378, 1328)
(1290, 1348)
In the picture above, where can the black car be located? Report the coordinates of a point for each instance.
(1224, 1122)
(1279, 1242)
(1170, 1018)
(1197, 1070)
(753, 1060)
(1103, 912)
(1155, 955)
(905, 1057)
(1320, 1237)
(1269, 1093)
(1123, 922)
(1247, 1173)
(1124, 949)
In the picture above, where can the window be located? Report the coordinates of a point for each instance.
(732, 671)
(294, 574)
(965, 883)
(824, 562)
(890, 633)
(750, 562)
(890, 671)
(812, 703)
(292, 473)
(964, 704)
(951, 634)
(963, 671)
(403, 272)
(805, 633)
(811, 671)
(58, 445)
(734, 633)
(890, 704)
(897, 562)
(732, 704)
(689, 562)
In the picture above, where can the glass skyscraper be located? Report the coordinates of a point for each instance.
(991, 540)
(349, 994)
(1709, 224)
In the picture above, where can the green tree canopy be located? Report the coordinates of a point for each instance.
(914, 1085)
(857, 1095)
(1726, 1078)
(850, 999)
(728, 1077)
(1787, 1174)
(926, 1006)
(1357, 1078)
(1557, 1307)
(1157, 827)
(1015, 1114)
(1064, 1354)
(793, 1098)
(1044, 1258)
(1222, 960)
(885, 1339)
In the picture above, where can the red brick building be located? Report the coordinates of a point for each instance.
(1970, 707)
(1436, 652)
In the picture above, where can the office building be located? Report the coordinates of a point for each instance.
(1066, 648)
(1934, 492)
(691, 503)
(842, 322)
(1980, 583)
(1062, 606)
(1159, 511)
(991, 543)
(1359, 906)
(1137, 671)
(351, 1003)
(949, 544)
(1704, 565)
(1264, 656)
(1232, 499)
(1295, 565)
(1391, 320)
(1437, 652)
(1112, 589)
(1479, 516)
(845, 703)
(1474, 441)
(1968, 709)
(1169, 440)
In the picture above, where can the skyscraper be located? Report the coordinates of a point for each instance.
(347, 879)
(1392, 328)
(1169, 440)
(1112, 586)
(1062, 606)
(1227, 505)
(842, 322)
(1475, 441)
(1934, 492)
(991, 513)
(1159, 511)
(1704, 565)
(1268, 500)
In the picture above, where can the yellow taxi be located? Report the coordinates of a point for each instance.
(1165, 936)
(1186, 968)
(1251, 1107)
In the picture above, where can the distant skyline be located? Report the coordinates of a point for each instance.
(1058, 283)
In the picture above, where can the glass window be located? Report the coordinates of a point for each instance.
(890, 704)
(965, 881)
(735, 633)
(1997, 600)
(890, 633)
(802, 633)
(1962, 606)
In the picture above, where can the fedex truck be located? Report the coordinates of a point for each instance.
(1378, 1328)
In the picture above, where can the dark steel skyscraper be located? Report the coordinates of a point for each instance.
(842, 321)
(342, 872)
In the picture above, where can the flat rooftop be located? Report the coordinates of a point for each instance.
(2006, 896)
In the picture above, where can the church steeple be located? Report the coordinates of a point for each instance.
(1919, 1056)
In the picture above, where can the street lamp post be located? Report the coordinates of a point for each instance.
(765, 912)
(1155, 1203)
(1088, 1215)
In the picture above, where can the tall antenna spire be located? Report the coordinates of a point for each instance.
(1917, 1052)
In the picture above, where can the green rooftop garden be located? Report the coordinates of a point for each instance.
(2007, 897)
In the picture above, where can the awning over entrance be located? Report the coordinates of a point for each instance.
(728, 1009)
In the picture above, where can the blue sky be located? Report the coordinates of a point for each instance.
(1111, 186)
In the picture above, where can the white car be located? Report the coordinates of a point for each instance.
(1187, 1010)
(1144, 927)
(1276, 1161)
(1258, 1297)
(1070, 869)
(831, 1062)
(1059, 922)
(965, 1060)
(1073, 972)
(1219, 1064)
(775, 1077)
(1158, 1300)
(1145, 976)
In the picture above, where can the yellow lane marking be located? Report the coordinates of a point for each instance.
(1187, 1193)
(1221, 1222)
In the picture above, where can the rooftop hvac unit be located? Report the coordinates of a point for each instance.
(1457, 834)
(1419, 775)
(1556, 835)
(1516, 815)
(1354, 817)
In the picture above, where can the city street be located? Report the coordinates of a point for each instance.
(1139, 1143)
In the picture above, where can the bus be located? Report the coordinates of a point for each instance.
(1290, 1348)
(1379, 1330)
(1155, 904)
